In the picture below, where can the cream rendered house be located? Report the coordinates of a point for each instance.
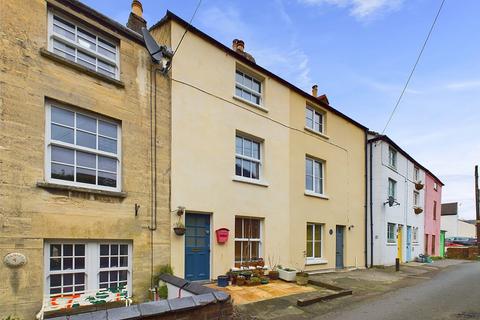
(279, 168)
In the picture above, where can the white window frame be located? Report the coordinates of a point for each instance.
(247, 158)
(435, 186)
(392, 233)
(392, 186)
(416, 198)
(316, 180)
(415, 234)
(242, 87)
(98, 56)
(416, 174)
(92, 264)
(49, 143)
(392, 157)
(259, 240)
(321, 117)
(313, 259)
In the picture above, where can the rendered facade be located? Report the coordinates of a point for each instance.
(433, 202)
(75, 156)
(279, 168)
(396, 199)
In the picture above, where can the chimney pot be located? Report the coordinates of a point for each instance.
(238, 45)
(137, 8)
(315, 90)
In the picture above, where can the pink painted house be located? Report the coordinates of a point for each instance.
(433, 208)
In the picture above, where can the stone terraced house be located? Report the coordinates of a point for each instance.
(84, 197)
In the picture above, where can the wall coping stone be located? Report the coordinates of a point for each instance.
(191, 287)
(180, 304)
(154, 307)
(126, 313)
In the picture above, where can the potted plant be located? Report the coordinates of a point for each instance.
(240, 280)
(264, 280)
(419, 185)
(255, 281)
(179, 228)
(418, 210)
(287, 274)
(301, 278)
(273, 274)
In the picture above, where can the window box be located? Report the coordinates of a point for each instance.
(287, 274)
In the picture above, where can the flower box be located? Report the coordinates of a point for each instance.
(287, 274)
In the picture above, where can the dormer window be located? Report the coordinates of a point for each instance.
(82, 45)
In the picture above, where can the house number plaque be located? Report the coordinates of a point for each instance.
(15, 260)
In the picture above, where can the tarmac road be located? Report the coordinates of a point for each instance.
(451, 294)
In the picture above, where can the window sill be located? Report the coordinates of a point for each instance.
(316, 195)
(392, 167)
(317, 133)
(391, 244)
(56, 186)
(55, 57)
(316, 261)
(257, 106)
(250, 181)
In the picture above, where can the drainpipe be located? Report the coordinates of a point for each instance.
(366, 200)
(371, 205)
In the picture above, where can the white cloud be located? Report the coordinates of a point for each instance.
(361, 9)
(287, 60)
(463, 85)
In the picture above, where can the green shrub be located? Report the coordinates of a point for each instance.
(163, 269)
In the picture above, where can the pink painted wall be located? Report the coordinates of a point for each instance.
(432, 226)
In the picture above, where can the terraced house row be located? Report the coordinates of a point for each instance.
(104, 153)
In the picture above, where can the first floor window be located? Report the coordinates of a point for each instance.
(82, 149)
(392, 157)
(314, 175)
(391, 233)
(416, 197)
(392, 188)
(247, 158)
(78, 267)
(247, 240)
(314, 241)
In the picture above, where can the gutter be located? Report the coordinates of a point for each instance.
(366, 199)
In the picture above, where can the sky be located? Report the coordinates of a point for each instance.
(360, 53)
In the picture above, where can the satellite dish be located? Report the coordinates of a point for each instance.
(160, 54)
(391, 201)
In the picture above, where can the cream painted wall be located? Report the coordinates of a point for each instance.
(205, 118)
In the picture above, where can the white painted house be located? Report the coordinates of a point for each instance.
(395, 228)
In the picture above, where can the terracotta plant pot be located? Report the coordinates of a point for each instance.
(240, 281)
(419, 186)
(418, 210)
(302, 278)
(273, 275)
(179, 231)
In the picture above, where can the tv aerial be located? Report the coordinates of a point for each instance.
(161, 54)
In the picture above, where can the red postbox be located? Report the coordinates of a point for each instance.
(222, 235)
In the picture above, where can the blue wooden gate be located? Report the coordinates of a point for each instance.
(197, 247)
(409, 243)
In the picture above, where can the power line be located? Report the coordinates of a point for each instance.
(414, 67)
(186, 29)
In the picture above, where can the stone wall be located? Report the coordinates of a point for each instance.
(29, 214)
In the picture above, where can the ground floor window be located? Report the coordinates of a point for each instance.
(391, 233)
(415, 234)
(314, 241)
(248, 243)
(433, 245)
(80, 266)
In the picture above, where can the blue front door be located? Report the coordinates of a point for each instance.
(197, 246)
(409, 243)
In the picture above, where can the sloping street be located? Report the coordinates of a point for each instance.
(452, 294)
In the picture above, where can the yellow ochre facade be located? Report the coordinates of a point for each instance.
(266, 214)
(49, 222)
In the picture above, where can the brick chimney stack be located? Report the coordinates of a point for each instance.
(315, 90)
(239, 47)
(135, 20)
